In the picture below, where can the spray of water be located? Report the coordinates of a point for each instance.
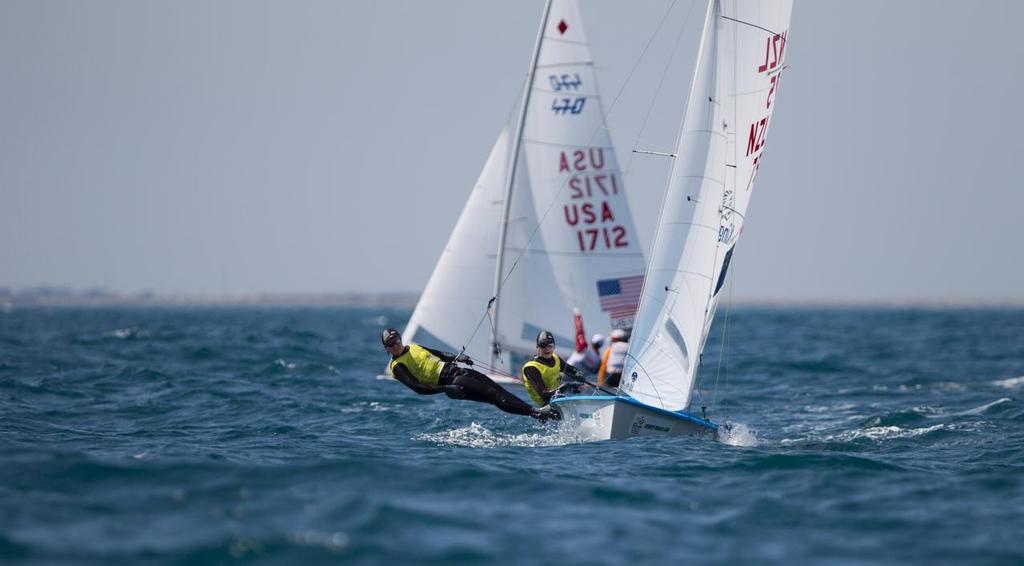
(737, 434)
(479, 436)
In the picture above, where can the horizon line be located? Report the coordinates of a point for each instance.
(64, 296)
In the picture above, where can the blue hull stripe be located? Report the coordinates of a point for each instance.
(683, 415)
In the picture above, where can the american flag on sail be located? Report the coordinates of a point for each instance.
(620, 297)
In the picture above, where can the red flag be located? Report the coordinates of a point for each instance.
(581, 338)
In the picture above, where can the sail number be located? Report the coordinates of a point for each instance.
(565, 82)
(568, 105)
(592, 191)
(773, 52)
(592, 238)
(774, 49)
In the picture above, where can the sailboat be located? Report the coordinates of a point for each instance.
(547, 227)
(720, 148)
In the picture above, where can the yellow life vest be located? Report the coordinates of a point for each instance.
(423, 365)
(549, 375)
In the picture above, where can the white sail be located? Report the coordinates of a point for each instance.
(544, 272)
(460, 286)
(528, 302)
(720, 147)
(587, 231)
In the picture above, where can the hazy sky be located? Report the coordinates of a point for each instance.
(249, 146)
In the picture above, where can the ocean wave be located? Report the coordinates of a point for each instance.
(883, 433)
(985, 407)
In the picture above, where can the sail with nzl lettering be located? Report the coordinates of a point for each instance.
(720, 149)
(569, 239)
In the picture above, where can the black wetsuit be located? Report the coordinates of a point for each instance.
(463, 383)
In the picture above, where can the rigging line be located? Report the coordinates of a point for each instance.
(726, 386)
(664, 73)
(646, 152)
(748, 24)
(565, 183)
(721, 349)
(491, 369)
(640, 58)
(636, 363)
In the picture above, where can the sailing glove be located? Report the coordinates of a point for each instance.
(464, 359)
(572, 374)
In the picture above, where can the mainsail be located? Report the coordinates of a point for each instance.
(570, 239)
(720, 146)
(587, 230)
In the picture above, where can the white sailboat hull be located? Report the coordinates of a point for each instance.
(602, 417)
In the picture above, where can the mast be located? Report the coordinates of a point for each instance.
(510, 181)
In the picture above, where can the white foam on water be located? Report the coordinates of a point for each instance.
(934, 386)
(737, 434)
(881, 433)
(368, 406)
(124, 333)
(479, 436)
(930, 412)
(1011, 383)
(288, 366)
(889, 432)
(334, 542)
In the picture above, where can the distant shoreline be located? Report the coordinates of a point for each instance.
(98, 298)
(62, 297)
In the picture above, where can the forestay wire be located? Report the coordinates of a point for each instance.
(554, 200)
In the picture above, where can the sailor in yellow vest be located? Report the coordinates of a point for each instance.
(542, 374)
(429, 372)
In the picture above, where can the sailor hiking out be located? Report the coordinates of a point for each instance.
(429, 372)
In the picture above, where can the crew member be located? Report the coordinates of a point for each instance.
(429, 372)
(589, 360)
(614, 359)
(542, 374)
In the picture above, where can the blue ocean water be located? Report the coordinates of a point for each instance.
(215, 436)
